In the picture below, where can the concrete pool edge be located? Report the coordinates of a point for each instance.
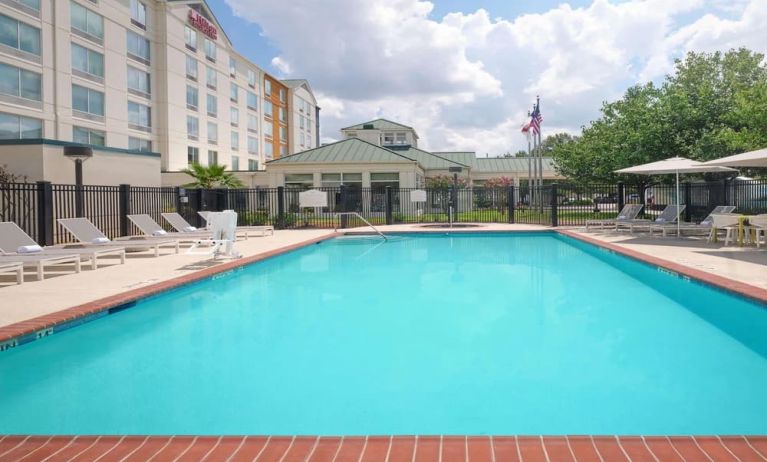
(19, 333)
(399, 448)
(731, 286)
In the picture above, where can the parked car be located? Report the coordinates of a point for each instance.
(607, 199)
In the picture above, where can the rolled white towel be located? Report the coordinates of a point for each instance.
(99, 240)
(29, 249)
(159, 232)
(189, 229)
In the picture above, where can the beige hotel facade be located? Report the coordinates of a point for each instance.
(151, 85)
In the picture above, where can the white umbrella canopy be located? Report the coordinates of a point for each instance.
(747, 159)
(675, 165)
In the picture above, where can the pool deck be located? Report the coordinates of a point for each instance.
(384, 449)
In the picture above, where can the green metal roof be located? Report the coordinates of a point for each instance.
(428, 160)
(351, 150)
(379, 124)
(494, 164)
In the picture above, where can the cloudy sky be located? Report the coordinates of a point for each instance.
(465, 73)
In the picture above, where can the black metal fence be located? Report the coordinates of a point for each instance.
(36, 206)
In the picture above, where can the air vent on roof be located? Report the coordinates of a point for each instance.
(367, 126)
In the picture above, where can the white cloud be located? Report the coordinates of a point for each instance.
(465, 81)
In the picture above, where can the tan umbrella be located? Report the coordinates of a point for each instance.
(674, 165)
(747, 159)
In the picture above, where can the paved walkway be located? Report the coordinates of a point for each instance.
(385, 449)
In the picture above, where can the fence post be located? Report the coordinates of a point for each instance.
(724, 192)
(124, 207)
(554, 203)
(510, 205)
(621, 196)
(687, 201)
(280, 207)
(45, 213)
(343, 199)
(222, 199)
(389, 201)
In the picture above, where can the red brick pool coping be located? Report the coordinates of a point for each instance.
(385, 448)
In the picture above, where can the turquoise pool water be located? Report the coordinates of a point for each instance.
(461, 334)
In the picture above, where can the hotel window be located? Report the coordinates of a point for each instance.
(401, 138)
(301, 121)
(19, 35)
(235, 164)
(86, 22)
(139, 144)
(232, 66)
(191, 68)
(269, 151)
(138, 13)
(308, 125)
(267, 87)
(267, 108)
(235, 141)
(212, 133)
(335, 180)
(282, 94)
(283, 115)
(252, 123)
(192, 98)
(190, 38)
(87, 101)
(88, 136)
(211, 102)
(192, 127)
(302, 139)
(268, 130)
(283, 150)
(252, 165)
(252, 101)
(381, 180)
(138, 81)
(388, 138)
(299, 180)
(20, 83)
(283, 134)
(234, 116)
(211, 77)
(233, 92)
(210, 50)
(138, 47)
(251, 78)
(13, 127)
(87, 61)
(252, 145)
(212, 157)
(192, 155)
(33, 4)
(139, 116)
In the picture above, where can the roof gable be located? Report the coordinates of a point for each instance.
(380, 124)
(428, 160)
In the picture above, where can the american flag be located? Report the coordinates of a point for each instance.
(536, 119)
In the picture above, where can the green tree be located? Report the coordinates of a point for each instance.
(714, 104)
(212, 176)
(551, 142)
(520, 153)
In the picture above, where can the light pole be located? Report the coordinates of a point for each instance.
(78, 154)
(454, 196)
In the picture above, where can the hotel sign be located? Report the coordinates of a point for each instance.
(202, 24)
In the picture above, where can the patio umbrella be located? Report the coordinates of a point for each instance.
(675, 165)
(747, 159)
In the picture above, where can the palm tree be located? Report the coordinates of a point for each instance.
(212, 176)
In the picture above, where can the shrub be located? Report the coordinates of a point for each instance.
(254, 218)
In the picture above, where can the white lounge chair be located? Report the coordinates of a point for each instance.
(628, 212)
(181, 225)
(758, 224)
(13, 267)
(38, 262)
(153, 230)
(669, 215)
(14, 241)
(260, 229)
(88, 234)
(724, 222)
(704, 227)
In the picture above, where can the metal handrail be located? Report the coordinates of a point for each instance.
(338, 214)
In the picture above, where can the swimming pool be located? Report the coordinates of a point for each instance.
(427, 334)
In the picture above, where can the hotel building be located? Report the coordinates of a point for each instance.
(151, 85)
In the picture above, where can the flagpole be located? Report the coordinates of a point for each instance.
(529, 165)
(535, 172)
(540, 149)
